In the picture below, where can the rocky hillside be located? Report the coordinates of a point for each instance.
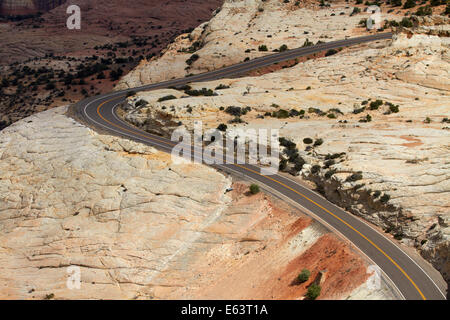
(370, 123)
(141, 227)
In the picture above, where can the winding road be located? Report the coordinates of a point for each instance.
(407, 276)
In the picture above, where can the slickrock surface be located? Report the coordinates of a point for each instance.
(140, 226)
(403, 156)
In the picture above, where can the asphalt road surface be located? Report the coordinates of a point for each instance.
(407, 276)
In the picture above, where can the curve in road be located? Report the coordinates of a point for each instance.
(409, 278)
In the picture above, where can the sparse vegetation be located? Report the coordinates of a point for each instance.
(304, 276)
(254, 188)
(192, 59)
(409, 4)
(262, 47)
(406, 22)
(424, 11)
(222, 127)
(165, 98)
(313, 291)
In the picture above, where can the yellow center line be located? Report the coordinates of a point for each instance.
(278, 182)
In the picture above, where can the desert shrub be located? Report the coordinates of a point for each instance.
(294, 113)
(307, 43)
(313, 291)
(330, 52)
(165, 98)
(385, 198)
(283, 165)
(315, 169)
(202, 92)
(236, 119)
(254, 188)
(234, 111)
(359, 110)
(141, 103)
(280, 114)
(409, 4)
(287, 143)
(406, 22)
(222, 127)
(283, 48)
(331, 116)
(394, 108)
(367, 118)
(424, 11)
(356, 10)
(262, 47)
(222, 86)
(50, 86)
(329, 163)
(329, 173)
(192, 59)
(304, 276)
(333, 156)
(318, 142)
(396, 3)
(376, 194)
(374, 105)
(354, 177)
(298, 162)
(307, 141)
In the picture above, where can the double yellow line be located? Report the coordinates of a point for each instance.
(276, 181)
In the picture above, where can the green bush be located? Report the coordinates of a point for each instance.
(141, 103)
(406, 22)
(385, 198)
(318, 142)
(203, 92)
(307, 141)
(222, 86)
(283, 48)
(354, 177)
(330, 52)
(374, 105)
(313, 291)
(192, 59)
(280, 114)
(424, 11)
(287, 143)
(254, 188)
(356, 10)
(315, 169)
(394, 108)
(165, 98)
(409, 4)
(222, 127)
(262, 47)
(304, 276)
